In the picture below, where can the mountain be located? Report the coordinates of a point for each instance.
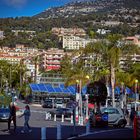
(85, 7)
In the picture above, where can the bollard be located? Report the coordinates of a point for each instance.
(46, 116)
(55, 117)
(82, 120)
(62, 118)
(71, 121)
(87, 127)
(43, 133)
(79, 120)
(50, 116)
(77, 117)
(58, 131)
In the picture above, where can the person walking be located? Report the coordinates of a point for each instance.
(126, 113)
(12, 116)
(26, 115)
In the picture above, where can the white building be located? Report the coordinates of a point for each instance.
(1, 34)
(75, 42)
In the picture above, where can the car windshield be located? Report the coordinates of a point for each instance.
(4, 110)
(48, 101)
(59, 102)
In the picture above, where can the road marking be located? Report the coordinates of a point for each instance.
(37, 111)
(96, 132)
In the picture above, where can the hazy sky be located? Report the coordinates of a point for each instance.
(18, 8)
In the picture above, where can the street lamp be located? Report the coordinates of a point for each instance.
(136, 94)
(87, 77)
(1, 79)
(122, 96)
(80, 104)
(79, 99)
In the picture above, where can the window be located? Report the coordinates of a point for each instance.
(110, 111)
(113, 111)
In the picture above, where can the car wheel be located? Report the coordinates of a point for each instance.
(121, 124)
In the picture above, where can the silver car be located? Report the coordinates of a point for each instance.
(116, 116)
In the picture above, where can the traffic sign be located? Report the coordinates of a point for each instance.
(105, 117)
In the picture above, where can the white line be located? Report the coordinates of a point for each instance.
(96, 132)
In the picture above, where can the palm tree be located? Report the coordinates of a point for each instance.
(107, 56)
(36, 62)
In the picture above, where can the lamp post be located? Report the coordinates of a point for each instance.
(122, 96)
(77, 100)
(1, 79)
(87, 102)
(80, 103)
(79, 113)
(79, 110)
(136, 94)
(87, 107)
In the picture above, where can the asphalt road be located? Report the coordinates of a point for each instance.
(37, 121)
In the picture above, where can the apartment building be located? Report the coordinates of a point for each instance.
(1, 34)
(68, 31)
(32, 33)
(11, 59)
(75, 42)
(51, 58)
(133, 40)
(21, 54)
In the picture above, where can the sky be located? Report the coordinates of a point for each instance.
(19, 8)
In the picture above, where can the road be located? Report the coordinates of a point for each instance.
(38, 121)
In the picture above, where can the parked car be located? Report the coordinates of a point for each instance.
(47, 103)
(59, 104)
(109, 116)
(59, 111)
(4, 114)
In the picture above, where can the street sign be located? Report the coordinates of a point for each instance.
(105, 117)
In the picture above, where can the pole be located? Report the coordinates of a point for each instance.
(125, 102)
(81, 109)
(20, 74)
(10, 77)
(122, 99)
(55, 117)
(43, 133)
(1, 81)
(87, 107)
(58, 132)
(136, 98)
(62, 118)
(87, 127)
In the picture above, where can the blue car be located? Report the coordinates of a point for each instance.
(4, 114)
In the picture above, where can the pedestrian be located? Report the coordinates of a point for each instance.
(132, 115)
(126, 113)
(12, 116)
(26, 115)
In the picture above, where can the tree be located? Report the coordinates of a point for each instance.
(74, 71)
(106, 58)
(97, 92)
